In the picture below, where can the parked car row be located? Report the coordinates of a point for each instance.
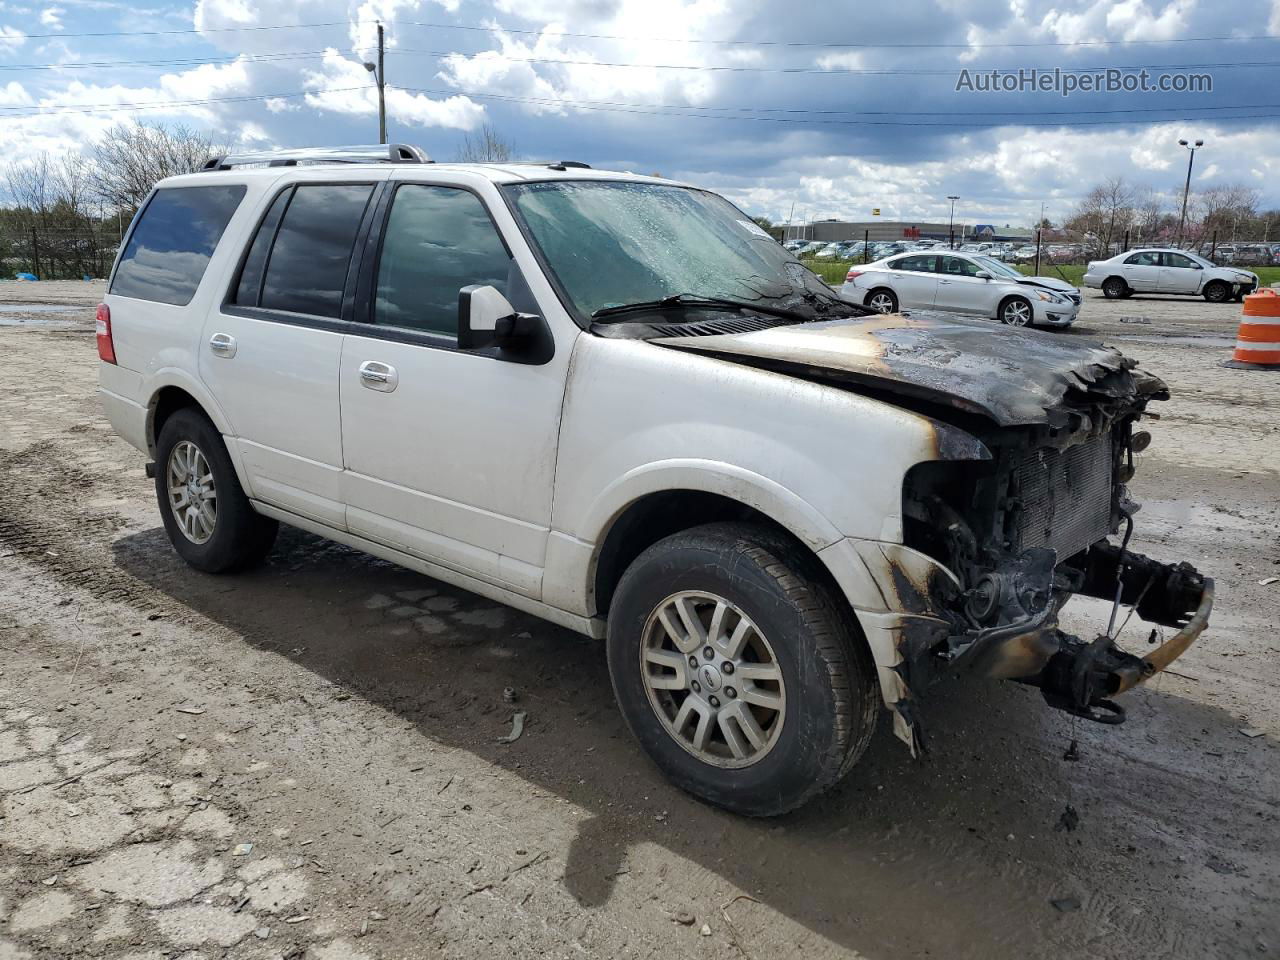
(965, 283)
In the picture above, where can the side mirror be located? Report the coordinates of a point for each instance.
(487, 319)
(982, 275)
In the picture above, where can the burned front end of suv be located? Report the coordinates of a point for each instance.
(1046, 515)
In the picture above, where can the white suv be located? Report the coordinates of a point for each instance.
(614, 402)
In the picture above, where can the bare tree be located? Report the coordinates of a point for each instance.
(1222, 210)
(1104, 215)
(131, 158)
(486, 146)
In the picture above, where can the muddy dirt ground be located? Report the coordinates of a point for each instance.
(303, 761)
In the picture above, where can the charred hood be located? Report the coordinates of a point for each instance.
(1008, 375)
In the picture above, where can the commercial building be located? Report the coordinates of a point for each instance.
(831, 231)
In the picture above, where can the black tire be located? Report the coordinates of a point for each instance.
(1115, 288)
(886, 297)
(240, 536)
(832, 700)
(1217, 292)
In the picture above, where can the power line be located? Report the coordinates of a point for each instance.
(826, 44)
(684, 112)
(714, 68)
(59, 109)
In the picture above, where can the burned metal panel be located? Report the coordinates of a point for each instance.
(1013, 377)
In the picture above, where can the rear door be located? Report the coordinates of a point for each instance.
(1179, 274)
(450, 454)
(271, 351)
(1142, 270)
(960, 290)
(913, 279)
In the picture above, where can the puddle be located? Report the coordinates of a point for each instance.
(14, 314)
(1182, 341)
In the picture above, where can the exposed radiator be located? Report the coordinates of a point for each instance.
(1066, 496)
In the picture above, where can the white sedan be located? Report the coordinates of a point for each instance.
(962, 283)
(1168, 271)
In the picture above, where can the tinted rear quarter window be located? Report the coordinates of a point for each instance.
(306, 270)
(170, 246)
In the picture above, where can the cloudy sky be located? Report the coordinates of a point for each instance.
(776, 104)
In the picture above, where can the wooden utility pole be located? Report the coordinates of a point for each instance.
(382, 89)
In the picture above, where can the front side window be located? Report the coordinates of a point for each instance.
(610, 243)
(170, 246)
(438, 240)
(306, 270)
(1178, 260)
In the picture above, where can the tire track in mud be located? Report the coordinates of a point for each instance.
(70, 542)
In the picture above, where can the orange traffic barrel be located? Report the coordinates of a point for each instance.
(1258, 342)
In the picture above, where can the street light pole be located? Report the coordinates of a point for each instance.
(380, 75)
(951, 224)
(1186, 190)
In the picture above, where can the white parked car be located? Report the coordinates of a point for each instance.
(614, 402)
(1161, 270)
(962, 283)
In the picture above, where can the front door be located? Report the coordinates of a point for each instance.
(450, 455)
(961, 291)
(1179, 274)
(270, 354)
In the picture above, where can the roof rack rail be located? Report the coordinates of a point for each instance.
(565, 164)
(373, 153)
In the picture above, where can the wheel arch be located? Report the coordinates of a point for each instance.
(173, 390)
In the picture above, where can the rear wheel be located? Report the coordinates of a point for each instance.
(1217, 292)
(882, 300)
(1016, 312)
(205, 511)
(736, 670)
(1114, 288)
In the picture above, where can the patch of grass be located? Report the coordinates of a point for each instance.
(1072, 273)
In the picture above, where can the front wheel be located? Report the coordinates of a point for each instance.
(205, 511)
(737, 670)
(1016, 312)
(1217, 292)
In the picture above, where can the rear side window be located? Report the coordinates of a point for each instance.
(170, 246)
(305, 268)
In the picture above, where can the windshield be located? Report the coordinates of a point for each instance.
(999, 269)
(611, 243)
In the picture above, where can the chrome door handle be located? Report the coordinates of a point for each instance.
(223, 345)
(379, 376)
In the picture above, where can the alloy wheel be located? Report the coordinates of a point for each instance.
(882, 302)
(192, 496)
(712, 679)
(1017, 313)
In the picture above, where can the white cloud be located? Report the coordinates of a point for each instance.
(281, 105)
(13, 94)
(11, 38)
(52, 17)
(344, 86)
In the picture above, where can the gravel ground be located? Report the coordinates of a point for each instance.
(303, 761)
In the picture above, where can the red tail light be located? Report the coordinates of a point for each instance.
(853, 275)
(106, 348)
